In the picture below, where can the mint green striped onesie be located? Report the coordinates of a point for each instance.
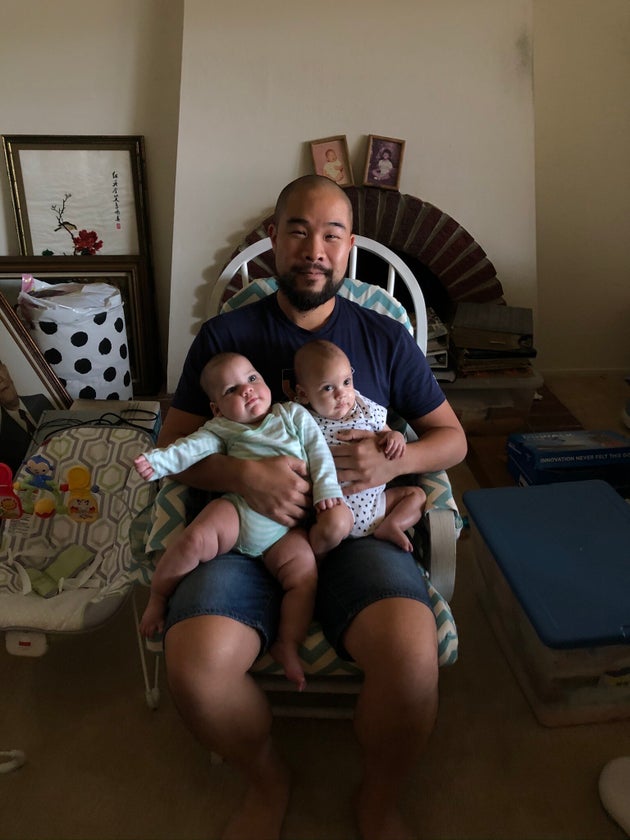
(288, 429)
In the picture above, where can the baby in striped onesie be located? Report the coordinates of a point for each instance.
(246, 425)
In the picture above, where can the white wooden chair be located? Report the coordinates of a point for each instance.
(435, 536)
(398, 272)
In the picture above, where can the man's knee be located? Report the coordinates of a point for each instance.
(397, 635)
(198, 648)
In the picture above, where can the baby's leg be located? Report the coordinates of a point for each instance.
(292, 562)
(331, 527)
(214, 531)
(403, 508)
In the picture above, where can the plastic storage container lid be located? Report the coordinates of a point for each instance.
(565, 551)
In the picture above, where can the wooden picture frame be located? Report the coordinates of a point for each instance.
(383, 162)
(79, 195)
(129, 276)
(28, 387)
(331, 159)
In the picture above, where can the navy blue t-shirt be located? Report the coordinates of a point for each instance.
(389, 368)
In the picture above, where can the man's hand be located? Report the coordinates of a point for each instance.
(277, 488)
(360, 461)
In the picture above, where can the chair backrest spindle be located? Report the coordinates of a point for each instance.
(397, 270)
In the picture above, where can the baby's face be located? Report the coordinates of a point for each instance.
(240, 392)
(329, 388)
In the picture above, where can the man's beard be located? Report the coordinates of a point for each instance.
(304, 301)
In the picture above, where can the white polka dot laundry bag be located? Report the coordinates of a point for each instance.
(80, 329)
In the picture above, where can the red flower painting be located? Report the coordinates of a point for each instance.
(86, 243)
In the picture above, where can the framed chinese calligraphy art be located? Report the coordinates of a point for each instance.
(79, 196)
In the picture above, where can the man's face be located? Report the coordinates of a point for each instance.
(312, 241)
(8, 395)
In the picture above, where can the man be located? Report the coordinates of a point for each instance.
(18, 419)
(218, 617)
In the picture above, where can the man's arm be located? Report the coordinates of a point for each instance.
(441, 444)
(274, 487)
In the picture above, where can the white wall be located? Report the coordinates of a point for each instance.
(71, 67)
(259, 80)
(582, 76)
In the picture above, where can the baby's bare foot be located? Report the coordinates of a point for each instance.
(285, 654)
(393, 534)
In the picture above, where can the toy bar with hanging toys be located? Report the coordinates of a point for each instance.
(10, 504)
(37, 492)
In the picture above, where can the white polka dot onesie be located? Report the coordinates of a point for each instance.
(368, 506)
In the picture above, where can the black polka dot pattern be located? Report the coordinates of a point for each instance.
(87, 348)
(368, 506)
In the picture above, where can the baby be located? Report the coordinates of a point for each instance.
(324, 382)
(246, 425)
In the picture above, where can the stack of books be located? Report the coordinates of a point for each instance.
(549, 457)
(438, 348)
(489, 338)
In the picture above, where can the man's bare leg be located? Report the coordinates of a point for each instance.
(395, 643)
(403, 510)
(207, 661)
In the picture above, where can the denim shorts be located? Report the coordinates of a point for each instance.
(353, 576)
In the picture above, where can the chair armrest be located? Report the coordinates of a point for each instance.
(436, 534)
(168, 516)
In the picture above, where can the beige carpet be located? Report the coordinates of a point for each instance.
(102, 766)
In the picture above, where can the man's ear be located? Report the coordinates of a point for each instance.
(272, 233)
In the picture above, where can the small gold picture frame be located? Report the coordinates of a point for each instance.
(383, 162)
(331, 159)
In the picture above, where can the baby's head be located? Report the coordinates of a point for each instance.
(235, 389)
(323, 377)
(331, 155)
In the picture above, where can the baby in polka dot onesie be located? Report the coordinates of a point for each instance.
(324, 383)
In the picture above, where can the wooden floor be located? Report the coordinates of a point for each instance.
(101, 766)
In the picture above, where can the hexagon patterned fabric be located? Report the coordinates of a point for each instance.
(78, 489)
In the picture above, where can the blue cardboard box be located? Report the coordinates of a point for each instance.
(549, 457)
(569, 450)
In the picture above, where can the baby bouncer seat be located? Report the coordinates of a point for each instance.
(72, 533)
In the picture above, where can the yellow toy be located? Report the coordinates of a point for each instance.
(82, 505)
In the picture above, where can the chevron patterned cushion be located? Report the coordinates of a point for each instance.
(363, 293)
(169, 517)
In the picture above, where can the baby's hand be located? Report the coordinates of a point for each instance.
(392, 443)
(327, 504)
(143, 467)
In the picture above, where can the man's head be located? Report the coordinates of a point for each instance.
(8, 395)
(235, 389)
(323, 376)
(311, 238)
